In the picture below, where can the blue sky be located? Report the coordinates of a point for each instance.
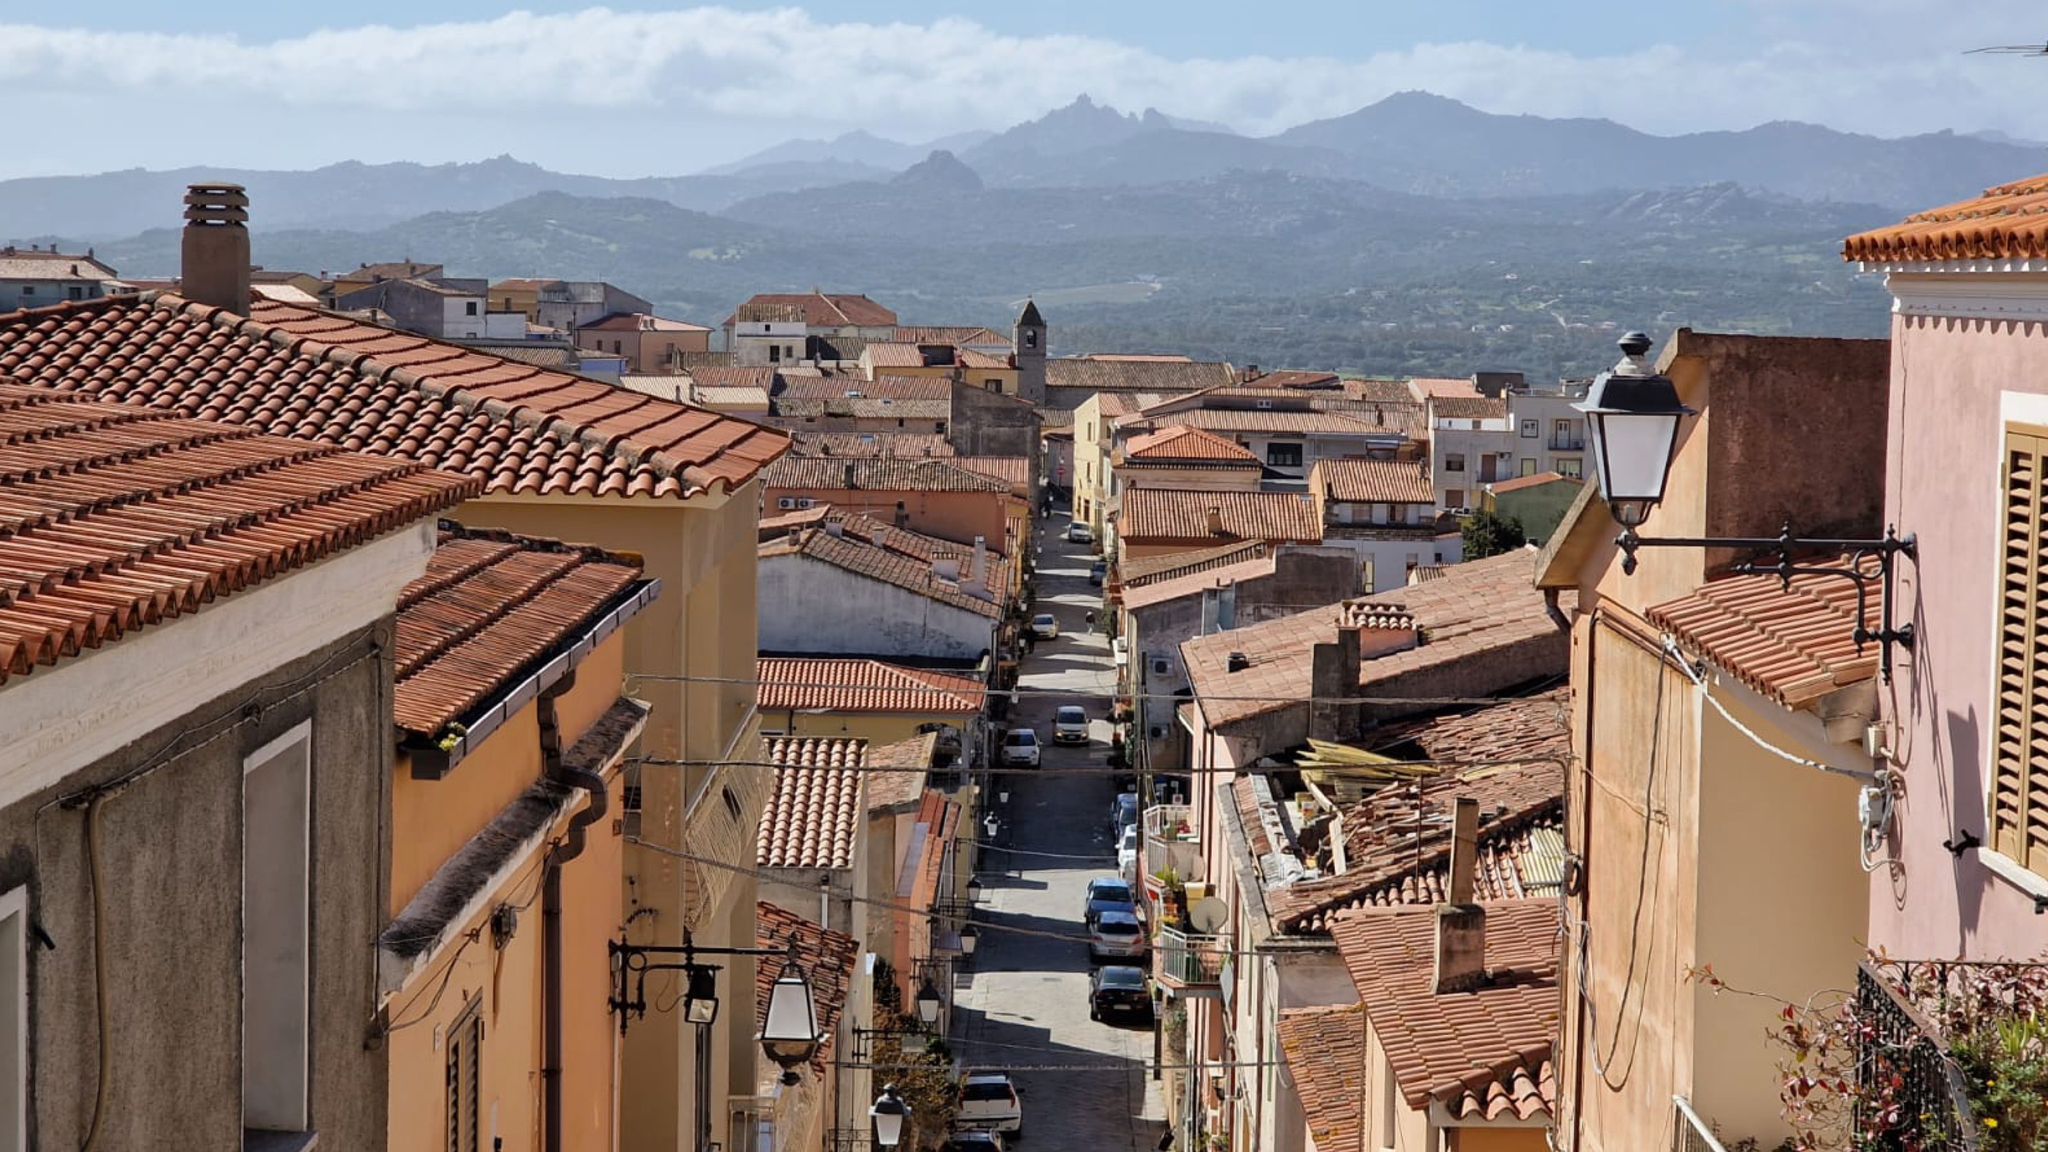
(640, 88)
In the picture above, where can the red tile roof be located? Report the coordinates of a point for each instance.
(2009, 222)
(491, 607)
(876, 475)
(1097, 374)
(911, 761)
(1359, 481)
(115, 517)
(1468, 407)
(1404, 421)
(1325, 1051)
(1794, 646)
(813, 816)
(1292, 379)
(1197, 583)
(826, 309)
(1014, 471)
(830, 962)
(879, 563)
(319, 376)
(639, 322)
(949, 335)
(845, 387)
(1181, 516)
(888, 445)
(827, 684)
(1425, 386)
(1174, 565)
(1180, 443)
(1482, 1053)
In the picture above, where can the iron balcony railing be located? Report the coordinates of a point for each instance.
(1567, 443)
(1690, 1133)
(1901, 1046)
(1182, 961)
(1166, 847)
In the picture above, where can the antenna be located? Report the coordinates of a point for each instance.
(2011, 50)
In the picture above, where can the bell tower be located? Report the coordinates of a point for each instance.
(1029, 338)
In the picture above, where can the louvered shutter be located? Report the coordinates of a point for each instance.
(2018, 799)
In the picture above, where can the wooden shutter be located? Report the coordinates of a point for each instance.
(2018, 799)
(463, 1078)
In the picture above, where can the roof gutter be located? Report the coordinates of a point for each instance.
(432, 761)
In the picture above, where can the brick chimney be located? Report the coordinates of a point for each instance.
(1215, 520)
(1460, 923)
(1333, 677)
(216, 250)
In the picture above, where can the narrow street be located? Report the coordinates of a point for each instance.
(1028, 1003)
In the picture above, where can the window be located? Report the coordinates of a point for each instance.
(465, 1060)
(14, 1021)
(28, 289)
(1561, 433)
(1454, 462)
(469, 308)
(775, 353)
(1283, 455)
(1370, 583)
(1570, 466)
(617, 348)
(1030, 338)
(2018, 804)
(1390, 1128)
(1454, 497)
(1529, 429)
(992, 384)
(77, 292)
(276, 945)
(1527, 467)
(1414, 561)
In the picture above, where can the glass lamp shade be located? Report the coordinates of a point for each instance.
(969, 937)
(889, 1115)
(991, 825)
(1634, 422)
(700, 996)
(790, 1034)
(928, 1004)
(973, 889)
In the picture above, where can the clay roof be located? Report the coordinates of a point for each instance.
(1380, 391)
(891, 445)
(394, 270)
(828, 684)
(1483, 1054)
(1794, 646)
(876, 475)
(814, 814)
(949, 335)
(638, 322)
(1152, 569)
(16, 264)
(1014, 471)
(825, 309)
(890, 355)
(317, 376)
(1427, 386)
(1127, 375)
(1179, 515)
(1324, 1048)
(490, 609)
(732, 376)
(878, 563)
(900, 788)
(861, 526)
(1479, 607)
(830, 961)
(1359, 481)
(1180, 443)
(1293, 379)
(2009, 222)
(1196, 583)
(1533, 481)
(115, 517)
(1297, 421)
(767, 313)
(1468, 407)
(884, 386)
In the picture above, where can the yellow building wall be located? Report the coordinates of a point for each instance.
(432, 819)
(1410, 1128)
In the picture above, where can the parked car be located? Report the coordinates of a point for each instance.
(990, 1102)
(1080, 533)
(1119, 990)
(1070, 725)
(1107, 894)
(1097, 572)
(1123, 813)
(1126, 853)
(1116, 936)
(1045, 626)
(975, 1142)
(1020, 748)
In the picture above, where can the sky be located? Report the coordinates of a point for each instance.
(637, 88)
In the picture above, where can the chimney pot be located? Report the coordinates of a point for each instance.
(215, 269)
(1215, 519)
(1460, 923)
(1237, 662)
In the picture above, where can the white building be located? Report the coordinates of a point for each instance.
(38, 277)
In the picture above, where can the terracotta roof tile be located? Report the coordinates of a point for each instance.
(887, 445)
(1014, 471)
(1380, 390)
(1360, 481)
(824, 309)
(1292, 379)
(874, 475)
(319, 376)
(846, 387)
(2009, 222)
(1179, 443)
(1180, 515)
(1484, 1049)
(813, 817)
(114, 517)
(830, 961)
(878, 563)
(1324, 1049)
(1387, 421)
(826, 684)
(1434, 386)
(1794, 646)
(1533, 481)
(1096, 374)
(1153, 569)
(490, 608)
(1196, 583)
(1468, 408)
(949, 335)
(900, 788)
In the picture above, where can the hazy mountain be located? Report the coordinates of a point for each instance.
(863, 148)
(1086, 144)
(940, 172)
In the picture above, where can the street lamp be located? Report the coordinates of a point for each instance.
(1634, 415)
(700, 994)
(790, 1034)
(969, 937)
(974, 889)
(992, 825)
(889, 1113)
(928, 1004)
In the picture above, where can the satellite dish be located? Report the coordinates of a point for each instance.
(1208, 914)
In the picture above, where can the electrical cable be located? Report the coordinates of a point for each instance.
(1069, 694)
(1700, 682)
(1101, 769)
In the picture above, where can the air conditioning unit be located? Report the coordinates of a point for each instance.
(1156, 732)
(786, 503)
(804, 502)
(1161, 666)
(1264, 404)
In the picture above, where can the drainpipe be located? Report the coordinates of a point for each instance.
(551, 899)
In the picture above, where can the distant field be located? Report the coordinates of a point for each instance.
(1129, 292)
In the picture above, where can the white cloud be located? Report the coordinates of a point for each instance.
(782, 67)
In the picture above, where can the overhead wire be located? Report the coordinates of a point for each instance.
(1021, 693)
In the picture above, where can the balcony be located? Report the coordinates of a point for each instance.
(1189, 965)
(1691, 1133)
(1167, 846)
(1567, 443)
(1903, 1055)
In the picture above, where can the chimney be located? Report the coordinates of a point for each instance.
(1215, 520)
(849, 475)
(980, 569)
(1251, 373)
(215, 268)
(1333, 679)
(1237, 662)
(1460, 923)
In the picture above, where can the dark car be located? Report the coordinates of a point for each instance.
(974, 1142)
(1108, 894)
(1097, 572)
(1119, 991)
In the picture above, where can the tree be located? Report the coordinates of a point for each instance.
(1486, 534)
(923, 1079)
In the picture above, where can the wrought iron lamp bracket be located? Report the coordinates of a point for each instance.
(630, 964)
